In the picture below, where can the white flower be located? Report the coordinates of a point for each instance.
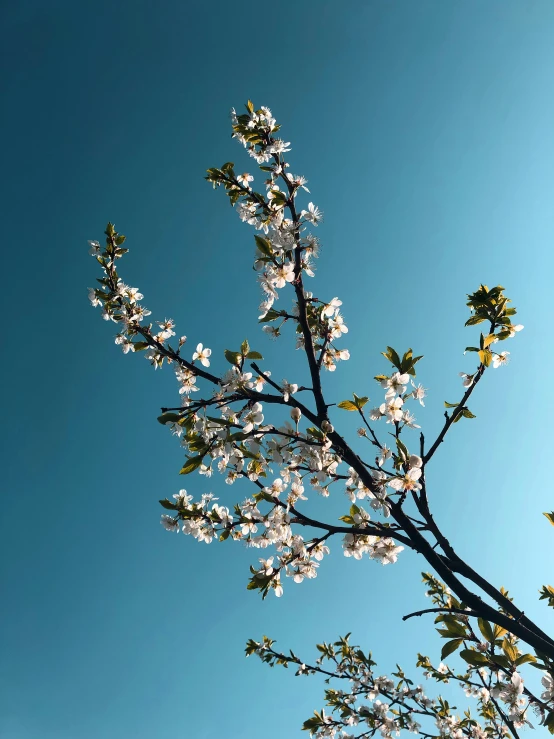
(187, 380)
(409, 420)
(288, 389)
(297, 181)
(133, 295)
(284, 274)
(258, 382)
(266, 568)
(296, 414)
(182, 498)
(499, 359)
(279, 147)
(510, 692)
(248, 526)
(140, 313)
(467, 380)
(330, 308)
(384, 454)
(94, 248)
(244, 179)
(548, 684)
(125, 343)
(419, 392)
(167, 327)
(408, 482)
(202, 355)
(396, 384)
(276, 487)
(253, 418)
(277, 587)
(386, 551)
(514, 329)
(313, 214)
(415, 461)
(392, 410)
(170, 524)
(92, 297)
(337, 326)
(271, 331)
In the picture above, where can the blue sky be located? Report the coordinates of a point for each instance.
(425, 130)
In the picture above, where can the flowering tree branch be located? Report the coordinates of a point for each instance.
(227, 430)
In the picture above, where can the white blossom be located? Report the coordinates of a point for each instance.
(202, 355)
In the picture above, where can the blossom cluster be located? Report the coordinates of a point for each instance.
(228, 431)
(235, 429)
(367, 703)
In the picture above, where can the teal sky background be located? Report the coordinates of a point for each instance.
(426, 131)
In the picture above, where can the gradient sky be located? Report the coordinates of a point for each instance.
(426, 130)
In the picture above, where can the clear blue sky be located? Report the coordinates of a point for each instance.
(426, 130)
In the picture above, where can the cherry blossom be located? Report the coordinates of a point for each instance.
(235, 420)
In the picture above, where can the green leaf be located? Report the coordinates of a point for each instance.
(450, 405)
(525, 658)
(140, 345)
(360, 402)
(502, 661)
(191, 464)
(410, 367)
(549, 722)
(347, 405)
(510, 650)
(408, 362)
(550, 517)
(454, 626)
(254, 355)
(220, 421)
(197, 444)
(485, 356)
(347, 519)
(232, 357)
(473, 320)
(473, 658)
(168, 418)
(450, 646)
(271, 315)
(547, 593)
(165, 503)
(402, 450)
(312, 723)
(315, 432)
(244, 348)
(486, 629)
(264, 245)
(466, 413)
(392, 356)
